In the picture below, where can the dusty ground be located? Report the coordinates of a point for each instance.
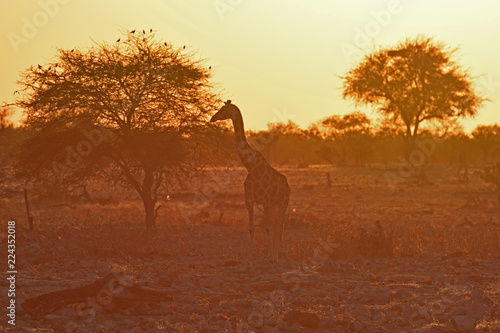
(357, 256)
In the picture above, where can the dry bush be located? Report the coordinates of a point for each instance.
(479, 239)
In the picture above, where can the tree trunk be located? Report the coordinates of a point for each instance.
(149, 206)
(149, 199)
(410, 142)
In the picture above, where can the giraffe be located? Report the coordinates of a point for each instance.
(264, 185)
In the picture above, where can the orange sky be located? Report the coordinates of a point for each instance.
(277, 60)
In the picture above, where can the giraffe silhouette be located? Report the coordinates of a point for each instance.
(264, 185)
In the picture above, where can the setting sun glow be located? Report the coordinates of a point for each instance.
(279, 60)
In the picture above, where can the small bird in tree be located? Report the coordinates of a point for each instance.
(118, 40)
(71, 91)
(16, 92)
(72, 50)
(133, 31)
(150, 30)
(165, 43)
(184, 47)
(143, 32)
(209, 67)
(39, 67)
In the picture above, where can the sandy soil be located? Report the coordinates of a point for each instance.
(357, 256)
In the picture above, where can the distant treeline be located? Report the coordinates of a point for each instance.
(349, 140)
(353, 140)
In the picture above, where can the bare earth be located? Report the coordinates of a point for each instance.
(357, 256)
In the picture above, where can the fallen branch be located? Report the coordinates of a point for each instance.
(108, 290)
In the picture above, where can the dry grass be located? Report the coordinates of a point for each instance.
(356, 217)
(355, 255)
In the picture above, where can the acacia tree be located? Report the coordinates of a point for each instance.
(132, 112)
(418, 80)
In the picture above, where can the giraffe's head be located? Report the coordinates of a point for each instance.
(225, 112)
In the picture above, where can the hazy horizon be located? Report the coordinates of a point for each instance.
(277, 61)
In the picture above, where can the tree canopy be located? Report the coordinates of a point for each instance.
(415, 81)
(132, 111)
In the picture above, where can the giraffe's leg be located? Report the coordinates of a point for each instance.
(251, 226)
(268, 220)
(280, 224)
(272, 218)
(282, 213)
(278, 232)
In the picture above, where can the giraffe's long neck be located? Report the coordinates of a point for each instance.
(245, 151)
(239, 129)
